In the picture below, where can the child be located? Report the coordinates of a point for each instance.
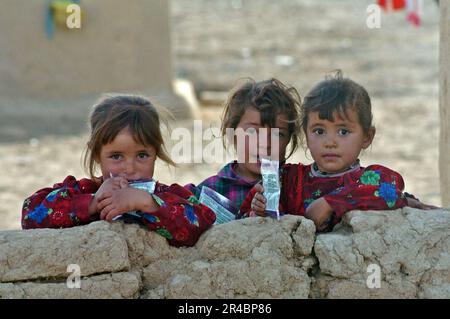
(252, 106)
(125, 141)
(337, 122)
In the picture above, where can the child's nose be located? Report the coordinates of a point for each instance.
(130, 167)
(330, 141)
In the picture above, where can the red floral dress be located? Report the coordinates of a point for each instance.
(372, 188)
(180, 218)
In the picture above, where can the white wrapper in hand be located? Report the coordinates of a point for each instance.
(271, 184)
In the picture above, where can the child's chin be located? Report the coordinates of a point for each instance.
(256, 169)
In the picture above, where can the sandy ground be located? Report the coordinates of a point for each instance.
(218, 41)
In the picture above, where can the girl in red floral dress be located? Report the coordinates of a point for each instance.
(125, 142)
(337, 122)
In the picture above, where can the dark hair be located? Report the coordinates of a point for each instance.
(112, 114)
(338, 94)
(270, 97)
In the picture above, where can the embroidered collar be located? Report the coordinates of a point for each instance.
(318, 173)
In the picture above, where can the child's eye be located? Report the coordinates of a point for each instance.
(143, 155)
(116, 157)
(343, 132)
(319, 131)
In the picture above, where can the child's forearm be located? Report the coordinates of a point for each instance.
(57, 210)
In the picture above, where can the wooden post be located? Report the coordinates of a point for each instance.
(444, 103)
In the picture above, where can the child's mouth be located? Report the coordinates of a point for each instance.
(330, 156)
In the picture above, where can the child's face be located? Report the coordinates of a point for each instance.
(125, 157)
(250, 122)
(336, 145)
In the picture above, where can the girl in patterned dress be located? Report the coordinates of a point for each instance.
(124, 143)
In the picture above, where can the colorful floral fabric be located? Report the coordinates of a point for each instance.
(180, 218)
(372, 188)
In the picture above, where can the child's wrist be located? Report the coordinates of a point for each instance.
(92, 209)
(148, 204)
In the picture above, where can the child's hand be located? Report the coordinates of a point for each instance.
(259, 202)
(415, 203)
(319, 211)
(108, 187)
(125, 200)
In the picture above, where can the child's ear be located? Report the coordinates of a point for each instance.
(368, 139)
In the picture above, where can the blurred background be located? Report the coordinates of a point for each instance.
(187, 55)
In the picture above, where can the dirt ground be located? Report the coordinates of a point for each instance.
(215, 43)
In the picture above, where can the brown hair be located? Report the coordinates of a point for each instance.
(270, 97)
(338, 94)
(112, 114)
